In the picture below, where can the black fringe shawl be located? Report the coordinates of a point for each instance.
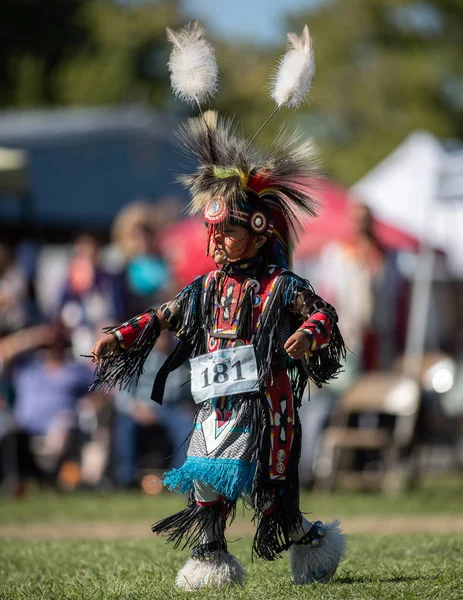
(197, 310)
(278, 323)
(325, 364)
(192, 333)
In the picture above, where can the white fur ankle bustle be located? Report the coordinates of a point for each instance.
(311, 564)
(224, 569)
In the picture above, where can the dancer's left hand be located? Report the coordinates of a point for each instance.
(297, 345)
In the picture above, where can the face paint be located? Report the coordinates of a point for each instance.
(233, 243)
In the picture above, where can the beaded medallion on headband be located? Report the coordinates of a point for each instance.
(268, 192)
(216, 211)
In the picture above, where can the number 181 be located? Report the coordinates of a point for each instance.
(220, 371)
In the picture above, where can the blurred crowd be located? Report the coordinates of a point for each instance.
(54, 301)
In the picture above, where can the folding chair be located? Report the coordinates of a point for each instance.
(379, 392)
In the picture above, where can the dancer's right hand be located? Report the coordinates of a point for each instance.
(104, 347)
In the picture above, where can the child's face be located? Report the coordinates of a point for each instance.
(233, 243)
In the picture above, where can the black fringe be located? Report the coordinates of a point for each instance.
(192, 336)
(207, 307)
(267, 338)
(326, 364)
(124, 369)
(193, 327)
(245, 324)
(176, 358)
(297, 378)
(187, 528)
(274, 524)
(272, 535)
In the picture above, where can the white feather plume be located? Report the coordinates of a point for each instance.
(193, 67)
(293, 77)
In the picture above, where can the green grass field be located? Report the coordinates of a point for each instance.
(52, 548)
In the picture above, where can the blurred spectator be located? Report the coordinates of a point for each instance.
(13, 292)
(95, 421)
(362, 280)
(145, 273)
(136, 414)
(91, 297)
(47, 387)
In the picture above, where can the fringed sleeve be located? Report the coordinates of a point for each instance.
(128, 332)
(321, 326)
(136, 339)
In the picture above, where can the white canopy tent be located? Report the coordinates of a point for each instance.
(419, 189)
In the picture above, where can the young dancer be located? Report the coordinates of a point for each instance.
(254, 332)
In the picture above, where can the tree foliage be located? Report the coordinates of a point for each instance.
(384, 68)
(55, 52)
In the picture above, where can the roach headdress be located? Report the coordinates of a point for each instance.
(268, 193)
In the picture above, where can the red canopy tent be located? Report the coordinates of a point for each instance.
(335, 224)
(184, 246)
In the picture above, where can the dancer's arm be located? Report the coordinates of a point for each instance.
(123, 336)
(314, 333)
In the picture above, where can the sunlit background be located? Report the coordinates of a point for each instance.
(93, 231)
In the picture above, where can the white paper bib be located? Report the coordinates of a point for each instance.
(224, 373)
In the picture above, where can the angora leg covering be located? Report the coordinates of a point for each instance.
(318, 560)
(222, 570)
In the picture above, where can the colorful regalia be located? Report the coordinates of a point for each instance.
(233, 324)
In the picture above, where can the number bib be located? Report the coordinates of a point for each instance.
(224, 373)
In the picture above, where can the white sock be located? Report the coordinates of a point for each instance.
(301, 530)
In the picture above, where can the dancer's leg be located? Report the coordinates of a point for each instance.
(210, 564)
(212, 538)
